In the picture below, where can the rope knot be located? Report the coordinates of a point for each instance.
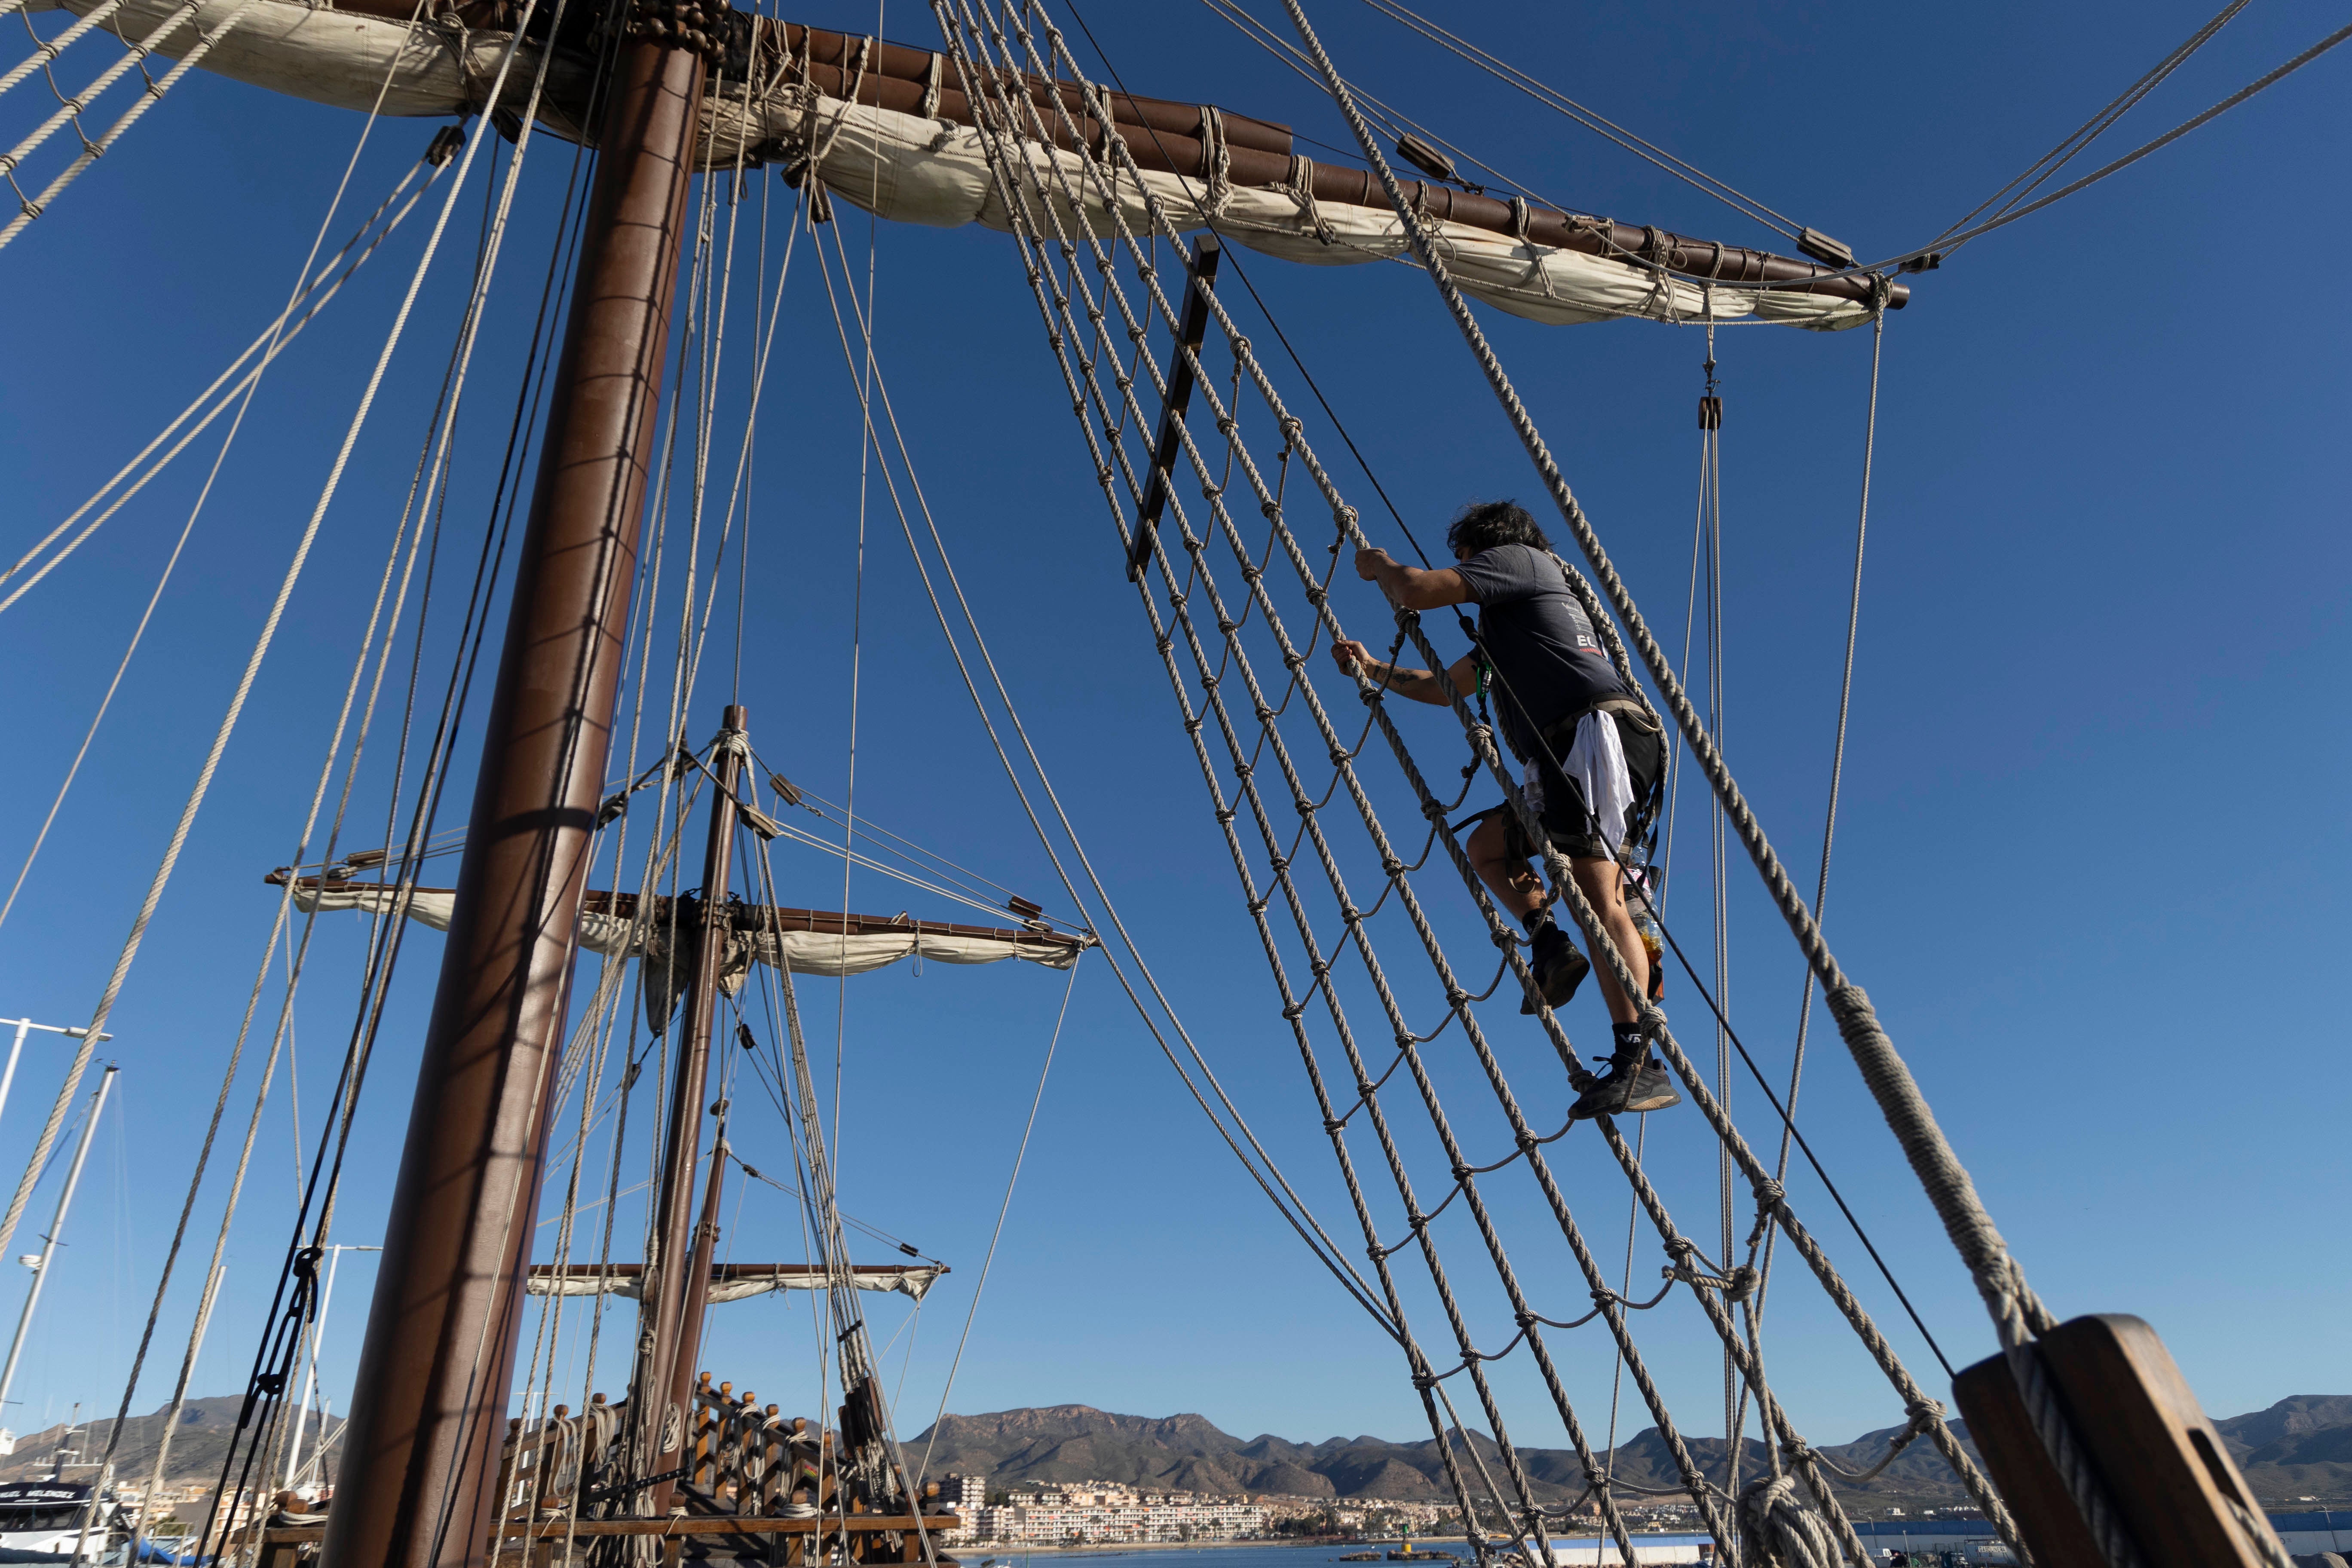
(1293, 1013)
(1769, 1193)
(1225, 815)
(1335, 1124)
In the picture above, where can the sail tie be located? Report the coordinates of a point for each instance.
(1216, 162)
(1299, 186)
(931, 78)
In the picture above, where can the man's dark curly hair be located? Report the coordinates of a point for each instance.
(1481, 525)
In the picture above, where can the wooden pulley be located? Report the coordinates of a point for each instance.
(1710, 412)
(2167, 1474)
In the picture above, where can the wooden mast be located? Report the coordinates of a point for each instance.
(417, 1486)
(677, 1287)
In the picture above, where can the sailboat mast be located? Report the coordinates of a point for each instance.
(417, 1484)
(678, 1284)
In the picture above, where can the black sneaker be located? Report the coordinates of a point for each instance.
(1631, 1085)
(1559, 969)
(1654, 1089)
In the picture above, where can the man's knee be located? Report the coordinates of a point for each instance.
(1599, 881)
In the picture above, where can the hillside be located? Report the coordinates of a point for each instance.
(197, 1451)
(2299, 1447)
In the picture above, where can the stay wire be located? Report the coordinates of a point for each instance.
(1301, 1219)
(1754, 1306)
(356, 1056)
(1004, 1208)
(172, 562)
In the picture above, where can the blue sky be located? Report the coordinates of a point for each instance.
(2091, 849)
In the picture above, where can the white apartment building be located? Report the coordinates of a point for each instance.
(1107, 1511)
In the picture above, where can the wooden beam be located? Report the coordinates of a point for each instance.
(2167, 1476)
(1193, 330)
(690, 1524)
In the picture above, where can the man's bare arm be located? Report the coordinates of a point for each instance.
(1421, 685)
(1410, 587)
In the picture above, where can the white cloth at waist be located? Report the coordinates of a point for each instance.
(1595, 763)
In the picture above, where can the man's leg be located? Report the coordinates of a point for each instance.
(1636, 1081)
(1512, 880)
(1558, 968)
(1604, 889)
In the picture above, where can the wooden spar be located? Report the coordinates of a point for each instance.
(766, 917)
(417, 1486)
(1192, 331)
(661, 1415)
(1170, 135)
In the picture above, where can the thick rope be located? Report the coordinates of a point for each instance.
(1112, 424)
(2016, 1312)
(129, 951)
(31, 207)
(73, 770)
(1225, 618)
(1015, 201)
(55, 46)
(1939, 1171)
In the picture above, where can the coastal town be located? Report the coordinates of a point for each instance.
(1111, 1512)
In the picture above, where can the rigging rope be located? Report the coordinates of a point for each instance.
(33, 206)
(51, 49)
(172, 562)
(2016, 1311)
(1551, 98)
(988, 1260)
(1063, 331)
(1269, 1177)
(2042, 168)
(227, 727)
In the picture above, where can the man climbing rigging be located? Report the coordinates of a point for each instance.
(1585, 739)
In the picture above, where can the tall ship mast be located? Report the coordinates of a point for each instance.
(1128, 214)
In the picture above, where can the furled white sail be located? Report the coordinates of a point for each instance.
(732, 1283)
(933, 172)
(802, 952)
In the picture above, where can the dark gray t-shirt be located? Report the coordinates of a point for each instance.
(1540, 640)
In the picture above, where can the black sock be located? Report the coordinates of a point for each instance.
(1631, 1039)
(1539, 920)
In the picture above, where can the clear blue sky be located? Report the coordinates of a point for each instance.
(2091, 863)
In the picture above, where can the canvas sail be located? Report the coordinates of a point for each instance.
(921, 168)
(805, 941)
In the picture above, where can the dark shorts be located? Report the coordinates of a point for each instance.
(1572, 830)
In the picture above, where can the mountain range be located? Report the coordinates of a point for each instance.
(2300, 1446)
(197, 1451)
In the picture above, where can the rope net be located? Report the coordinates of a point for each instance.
(1237, 609)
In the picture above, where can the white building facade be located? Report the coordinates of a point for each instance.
(1099, 1512)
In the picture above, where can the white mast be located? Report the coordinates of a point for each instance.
(24, 1027)
(294, 1466)
(57, 1227)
